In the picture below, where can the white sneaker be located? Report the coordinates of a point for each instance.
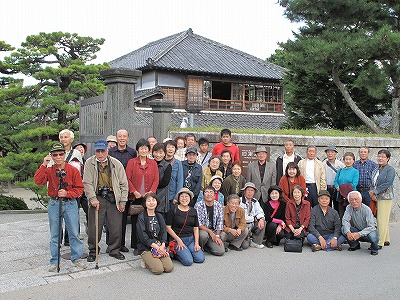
(258, 246)
(142, 264)
(79, 264)
(53, 268)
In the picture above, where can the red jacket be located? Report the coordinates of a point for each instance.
(290, 214)
(135, 172)
(74, 188)
(287, 186)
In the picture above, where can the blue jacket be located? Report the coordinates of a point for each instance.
(193, 182)
(176, 179)
(383, 188)
(347, 175)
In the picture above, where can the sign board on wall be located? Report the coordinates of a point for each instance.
(247, 155)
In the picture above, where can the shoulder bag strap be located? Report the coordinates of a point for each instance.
(184, 223)
(205, 156)
(69, 155)
(331, 166)
(275, 210)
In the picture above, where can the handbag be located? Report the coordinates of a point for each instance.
(136, 209)
(345, 189)
(293, 245)
(374, 207)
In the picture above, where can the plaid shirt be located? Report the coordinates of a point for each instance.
(218, 219)
(365, 169)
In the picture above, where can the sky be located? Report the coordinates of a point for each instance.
(252, 26)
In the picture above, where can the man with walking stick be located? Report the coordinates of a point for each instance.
(106, 188)
(64, 187)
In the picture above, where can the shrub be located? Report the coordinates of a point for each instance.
(12, 203)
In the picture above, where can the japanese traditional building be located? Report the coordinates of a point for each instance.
(200, 74)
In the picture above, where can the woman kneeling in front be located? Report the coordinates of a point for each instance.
(152, 237)
(183, 226)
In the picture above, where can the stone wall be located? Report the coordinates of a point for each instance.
(343, 144)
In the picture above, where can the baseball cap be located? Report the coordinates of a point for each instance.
(191, 150)
(324, 193)
(100, 145)
(57, 147)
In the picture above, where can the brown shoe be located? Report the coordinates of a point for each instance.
(315, 247)
(339, 248)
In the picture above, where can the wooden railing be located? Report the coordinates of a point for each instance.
(239, 105)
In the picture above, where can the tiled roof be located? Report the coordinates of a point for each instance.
(219, 119)
(146, 93)
(189, 52)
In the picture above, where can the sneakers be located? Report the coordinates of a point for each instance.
(53, 268)
(254, 245)
(79, 264)
(142, 264)
(315, 247)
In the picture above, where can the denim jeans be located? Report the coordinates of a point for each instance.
(366, 198)
(313, 240)
(372, 238)
(187, 256)
(70, 213)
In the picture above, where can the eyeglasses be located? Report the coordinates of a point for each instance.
(208, 192)
(57, 154)
(354, 200)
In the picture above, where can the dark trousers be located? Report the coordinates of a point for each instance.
(125, 221)
(134, 239)
(331, 189)
(338, 205)
(270, 233)
(312, 196)
(114, 220)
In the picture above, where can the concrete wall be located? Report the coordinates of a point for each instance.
(343, 144)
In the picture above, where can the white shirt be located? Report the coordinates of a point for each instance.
(287, 159)
(310, 176)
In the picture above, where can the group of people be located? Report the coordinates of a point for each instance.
(184, 201)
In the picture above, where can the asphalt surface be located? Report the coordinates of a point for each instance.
(253, 273)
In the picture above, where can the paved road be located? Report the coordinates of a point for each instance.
(254, 273)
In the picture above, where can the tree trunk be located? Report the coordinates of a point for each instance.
(395, 104)
(345, 92)
(395, 115)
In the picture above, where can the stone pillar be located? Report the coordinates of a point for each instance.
(162, 110)
(118, 98)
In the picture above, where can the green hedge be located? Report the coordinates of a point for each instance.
(12, 203)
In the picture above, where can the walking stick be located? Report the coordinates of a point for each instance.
(60, 186)
(97, 237)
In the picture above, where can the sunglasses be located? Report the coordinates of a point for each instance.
(57, 154)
